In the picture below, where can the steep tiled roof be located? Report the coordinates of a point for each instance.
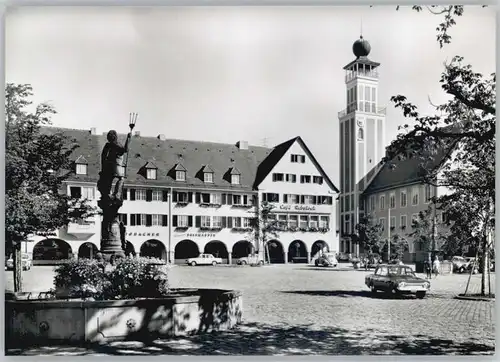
(277, 154)
(398, 172)
(169, 155)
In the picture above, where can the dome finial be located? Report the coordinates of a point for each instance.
(361, 47)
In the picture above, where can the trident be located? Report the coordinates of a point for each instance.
(131, 123)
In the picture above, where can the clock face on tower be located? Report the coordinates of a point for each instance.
(361, 122)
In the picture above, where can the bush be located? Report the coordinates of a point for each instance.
(128, 279)
(83, 278)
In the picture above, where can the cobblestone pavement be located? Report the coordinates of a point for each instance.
(304, 310)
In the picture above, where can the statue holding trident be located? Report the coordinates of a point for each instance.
(112, 167)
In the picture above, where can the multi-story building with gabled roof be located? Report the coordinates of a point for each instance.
(182, 198)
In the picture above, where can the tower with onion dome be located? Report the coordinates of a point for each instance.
(362, 146)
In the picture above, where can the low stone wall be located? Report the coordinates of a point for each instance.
(184, 312)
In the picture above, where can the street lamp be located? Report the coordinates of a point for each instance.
(132, 120)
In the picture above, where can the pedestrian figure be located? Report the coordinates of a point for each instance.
(435, 265)
(428, 269)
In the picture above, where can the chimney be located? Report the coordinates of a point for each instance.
(161, 137)
(137, 134)
(242, 145)
(93, 131)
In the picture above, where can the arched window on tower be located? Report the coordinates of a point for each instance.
(360, 134)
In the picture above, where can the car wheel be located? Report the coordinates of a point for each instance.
(461, 270)
(261, 262)
(193, 263)
(372, 288)
(243, 262)
(420, 295)
(214, 263)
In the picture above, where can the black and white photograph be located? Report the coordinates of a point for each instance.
(250, 180)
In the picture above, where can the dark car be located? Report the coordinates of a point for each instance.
(326, 259)
(397, 279)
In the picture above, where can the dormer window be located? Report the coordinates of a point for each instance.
(151, 174)
(209, 177)
(180, 175)
(208, 174)
(81, 166)
(235, 176)
(235, 179)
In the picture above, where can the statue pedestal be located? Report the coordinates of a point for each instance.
(111, 238)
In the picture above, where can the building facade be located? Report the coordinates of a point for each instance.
(394, 194)
(183, 198)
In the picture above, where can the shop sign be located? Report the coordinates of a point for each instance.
(143, 234)
(200, 235)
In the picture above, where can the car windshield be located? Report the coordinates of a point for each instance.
(397, 270)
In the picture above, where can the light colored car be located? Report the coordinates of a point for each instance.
(250, 260)
(25, 261)
(460, 264)
(326, 259)
(204, 259)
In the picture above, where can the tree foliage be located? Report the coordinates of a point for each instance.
(369, 233)
(264, 226)
(36, 164)
(462, 135)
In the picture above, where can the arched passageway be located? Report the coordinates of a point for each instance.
(319, 247)
(129, 249)
(216, 248)
(52, 250)
(88, 251)
(241, 249)
(186, 249)
(297, 252)
(276, 252)
(153, 249)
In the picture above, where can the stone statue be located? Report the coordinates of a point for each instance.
(112, 166)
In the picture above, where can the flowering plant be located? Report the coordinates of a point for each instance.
(130, 278)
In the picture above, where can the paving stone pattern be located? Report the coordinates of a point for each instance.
(304, 310)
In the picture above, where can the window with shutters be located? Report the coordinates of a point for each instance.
(215, 199)
(318, 180)
(382, 202)
(392, 222)
(381, 221)
(237, 200)
(392, 201)
(217, 222)
(140, 194)
(182, 221)
(236, 222)
(289, 177)
(156, 195)
(182, 197)
(402, 222)
(305, 179)
(88, 193)
(414, 196)
(292, 221)
(428, 194)
(156, 220)
(271, 197)
(278, 177)
(293, 199)
(205, 221)
(246, 222)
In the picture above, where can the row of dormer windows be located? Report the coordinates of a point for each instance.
(304, 179)
(298, 199)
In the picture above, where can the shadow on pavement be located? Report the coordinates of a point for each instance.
(262, 339)
(350, 293)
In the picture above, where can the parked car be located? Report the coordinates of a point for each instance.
(472, 263)
(460, 264)
(250, 260)
(397, 279)
(343, 257)
(326, 259)
(204, 259)
(25, 261)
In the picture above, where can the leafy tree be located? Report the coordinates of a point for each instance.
(463, 130)
(369, 234)
(399, 245)
(264, 227)
(36, 164)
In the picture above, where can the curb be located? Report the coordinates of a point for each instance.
(475, 298)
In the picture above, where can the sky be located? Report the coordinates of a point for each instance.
(224, 74)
